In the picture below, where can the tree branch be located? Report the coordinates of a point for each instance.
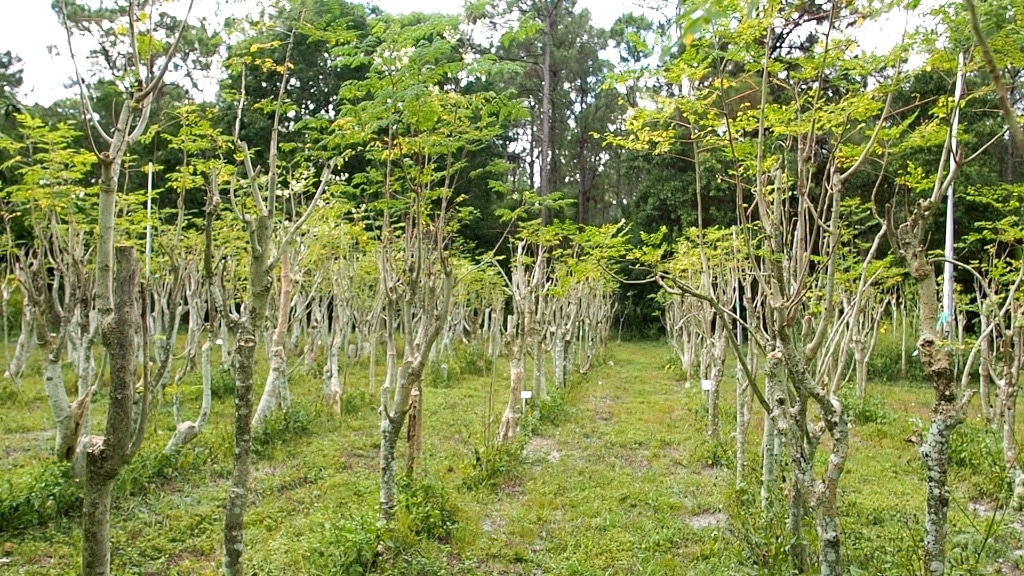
(1002, 94)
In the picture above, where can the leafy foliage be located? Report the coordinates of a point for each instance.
(37, 498)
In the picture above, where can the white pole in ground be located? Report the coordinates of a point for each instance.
(149, 218)
(947, 276)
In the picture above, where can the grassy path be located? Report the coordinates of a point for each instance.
(617, 477)
(622, 484)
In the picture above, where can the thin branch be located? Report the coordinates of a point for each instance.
(324, 179)
(132, 40)
(1002, 94)
(86, 104)
(155, 83)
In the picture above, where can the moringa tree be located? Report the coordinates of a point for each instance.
(792, 228)
(52, 271)
(416, 118)
(259, 211)
(116, 272)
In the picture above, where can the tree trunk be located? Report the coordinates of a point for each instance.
(539, 375)
(189, 431)
(771, 447)
(106, 456)
(234, 517)
(1010, 447)
(860, 360)
(985, 373)
(717, 373)
(389, 432)
(414, 437)
(559, 360)
(545, 106)
(390, 427)
(743, 406)
(276, 395)
(96, 526)
(23, 349)
(517, 374)
(244, 363)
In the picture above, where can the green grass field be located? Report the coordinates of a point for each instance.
(615, 475)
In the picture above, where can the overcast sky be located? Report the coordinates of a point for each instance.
(29, 28)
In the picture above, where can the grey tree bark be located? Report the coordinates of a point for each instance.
(948, 411)
(105, 456)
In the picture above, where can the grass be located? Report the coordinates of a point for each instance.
(615, 476)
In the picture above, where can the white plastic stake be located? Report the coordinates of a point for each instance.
(149, 218)
(947, 269)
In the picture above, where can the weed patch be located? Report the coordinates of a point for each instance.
(349, 547)
(427, 511)
(38, 496)
(284, 425)
(496, 465)
(976, 459)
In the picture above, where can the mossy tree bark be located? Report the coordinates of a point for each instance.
(260, 228)
(105, 456)
(417, 296)
(948, 411)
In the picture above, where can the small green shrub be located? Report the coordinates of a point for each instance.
(39, 497)
(981, 542)
(496, 465)
(9, 395)
(976, 458)
(714, 452)
(759, 530)
(140, 475)
(551, 411)
(868, 410)
(222, 382)
(426, 510)
(13, 313)
(298, 420)
(884, 365)
(349, 547)
(356, 401)
(471, 360)
(437, 375)
(150, 468)
(463, 360)
(880, 540)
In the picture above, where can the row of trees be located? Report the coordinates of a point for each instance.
(372, 184)
(837, 176)
(337, 226)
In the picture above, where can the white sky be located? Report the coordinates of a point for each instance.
(30, 29)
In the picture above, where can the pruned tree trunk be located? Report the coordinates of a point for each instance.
(260, 228)
(105, 456)
(417, 300)
(948, 411)
(717, 373)
(414, 436)
(276, 395)
(234, 515)
(540, 385)
(186, 432)
(985, 372)
(517, 376)
(23, 348)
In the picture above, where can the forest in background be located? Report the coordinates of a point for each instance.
(392, 193)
